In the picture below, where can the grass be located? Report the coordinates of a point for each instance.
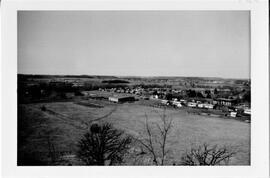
(188, 129)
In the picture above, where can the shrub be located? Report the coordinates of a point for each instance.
(207, 155)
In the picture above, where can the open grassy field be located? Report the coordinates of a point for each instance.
(63, 123)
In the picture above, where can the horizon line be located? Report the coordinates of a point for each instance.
(139, 76)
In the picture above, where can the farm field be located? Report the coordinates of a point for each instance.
(63, 123)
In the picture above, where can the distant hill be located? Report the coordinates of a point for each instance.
(54, 76)
(114, 81)
(118, 79)
(66, 76)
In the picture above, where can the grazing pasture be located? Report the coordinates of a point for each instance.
(62, 124)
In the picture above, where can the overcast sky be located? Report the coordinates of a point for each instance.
(135, 43)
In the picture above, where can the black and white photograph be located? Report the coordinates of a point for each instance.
(134, 88)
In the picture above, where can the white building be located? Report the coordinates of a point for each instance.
(191, 104)
(233, 114)
(247, 111)
(209, 106)
(119, 99)
(165, 102)
(177, 103)
(201, 105)
(154, 97)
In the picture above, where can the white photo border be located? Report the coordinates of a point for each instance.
(259, 88)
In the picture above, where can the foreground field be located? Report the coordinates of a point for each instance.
(63, 123)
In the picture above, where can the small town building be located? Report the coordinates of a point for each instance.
(183, 101)
(191, 104)
(205, 105)
(224, 102)
(177, 104)
(121, 99)
(209, 106)
(88, 93)
(166, 102)
(247, 111)
(233, 114)
(154, 96)
(201, 105)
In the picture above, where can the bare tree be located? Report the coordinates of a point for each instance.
(208, 155)
(103, 145)
(155, 143)
(51, 149)
(51, 138)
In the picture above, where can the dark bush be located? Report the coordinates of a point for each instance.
(103, 145)
(114, 81)
(206, 155)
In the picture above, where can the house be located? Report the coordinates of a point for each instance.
(209, 106)
(166, 102)
(114, 99)
(247, 111)
(205, 105)
(121, 99)
(87, 93)
(191, 104)
(154, 96)
(177, 104)
(183, 101)
(233, 114)
(201, 105)
(242, 106)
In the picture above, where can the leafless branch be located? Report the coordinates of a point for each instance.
(208, 155)
(156, 143)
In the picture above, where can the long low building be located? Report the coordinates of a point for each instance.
(121, 99)
(205, 105)
(225, 101)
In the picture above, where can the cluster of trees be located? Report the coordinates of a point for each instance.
(103, 85)
(52, 91)
(42, 90)
(147, 86)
